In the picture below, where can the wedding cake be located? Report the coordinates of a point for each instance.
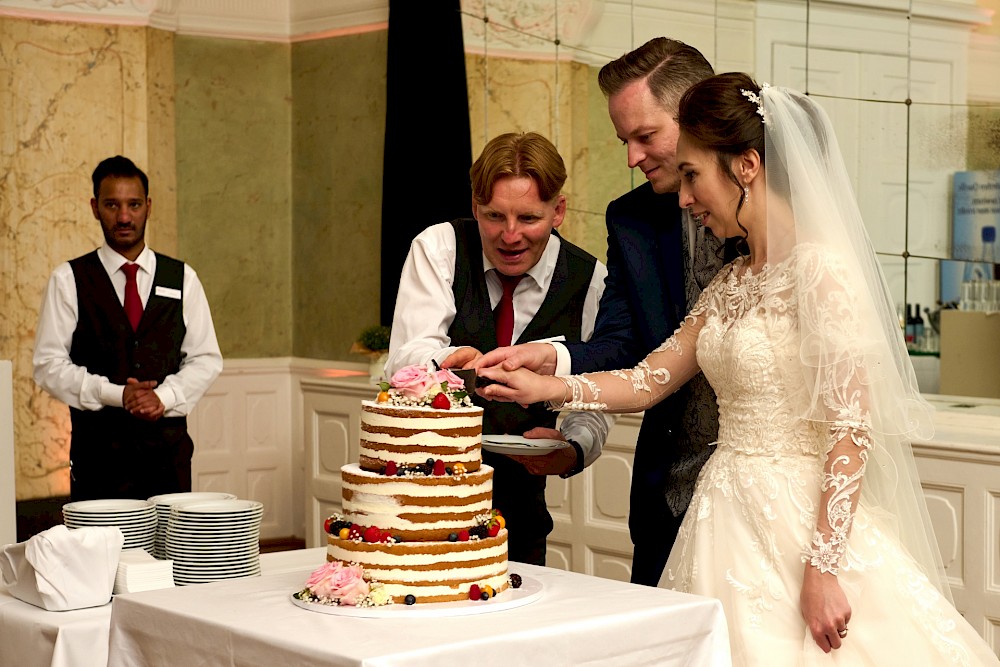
(417, 524)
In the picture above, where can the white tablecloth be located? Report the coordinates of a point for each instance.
(33, 637)
(578, 620)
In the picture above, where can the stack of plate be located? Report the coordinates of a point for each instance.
(163, 503)
(209, 540)
(135, 518)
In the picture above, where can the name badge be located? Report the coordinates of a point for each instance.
(168, 292)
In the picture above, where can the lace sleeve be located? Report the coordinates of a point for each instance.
(657, 376)
(826, 308)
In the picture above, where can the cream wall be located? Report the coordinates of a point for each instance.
(338, 127)
(234, 108)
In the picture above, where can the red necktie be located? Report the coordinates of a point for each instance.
(505, 309)
(133, 304)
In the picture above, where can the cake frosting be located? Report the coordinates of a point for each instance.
(410, 434)
(417, 513)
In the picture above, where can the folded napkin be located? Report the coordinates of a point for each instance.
(61, 569)
(139, 571)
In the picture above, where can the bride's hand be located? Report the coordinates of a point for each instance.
(825, 608)
(521, 386)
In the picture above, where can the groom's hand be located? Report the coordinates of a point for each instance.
(538, 357)
(556, 462)
(461, 358)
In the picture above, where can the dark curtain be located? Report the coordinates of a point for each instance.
(425, 173)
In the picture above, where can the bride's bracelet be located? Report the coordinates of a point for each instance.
(555, 406)
(574, 395)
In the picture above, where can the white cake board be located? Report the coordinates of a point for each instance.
(530, 590)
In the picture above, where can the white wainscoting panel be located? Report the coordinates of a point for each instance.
(242, 430)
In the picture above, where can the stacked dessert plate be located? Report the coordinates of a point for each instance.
(210, 540)
(135, 518)
(163, 503)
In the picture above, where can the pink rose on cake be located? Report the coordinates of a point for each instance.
(455, 383)
(415, 381)
(336, 581)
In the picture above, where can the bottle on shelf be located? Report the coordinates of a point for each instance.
(910, 329)
(918, 328)
(932, 341)
(989, 236)
(980, 270)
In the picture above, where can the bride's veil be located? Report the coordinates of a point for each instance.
(806, 174)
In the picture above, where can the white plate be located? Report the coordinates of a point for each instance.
(197, 557)
(210, 577)
(515, 444)
(233, 506)
(236, 529)
(103, 521)
(107, 505)
(204, 572)
(167, 499)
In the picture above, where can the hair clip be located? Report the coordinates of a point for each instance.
(755, 98)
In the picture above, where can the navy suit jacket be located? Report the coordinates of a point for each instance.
(644, 301)
(644, 298)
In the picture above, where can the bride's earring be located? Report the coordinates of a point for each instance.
(746, 195)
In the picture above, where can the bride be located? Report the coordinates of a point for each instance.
(807, 522)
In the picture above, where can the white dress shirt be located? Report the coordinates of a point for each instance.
(55, 372)
(425, 309)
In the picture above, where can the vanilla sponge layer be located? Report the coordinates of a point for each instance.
(430, 571)
(408, 436)
(417, 507)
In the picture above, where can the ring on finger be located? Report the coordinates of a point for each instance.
(842, 633)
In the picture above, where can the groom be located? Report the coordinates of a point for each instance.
(658, 263)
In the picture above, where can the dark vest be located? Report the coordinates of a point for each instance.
(104, 342)
(561, 313)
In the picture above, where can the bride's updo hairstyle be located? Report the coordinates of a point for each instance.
(717, 115)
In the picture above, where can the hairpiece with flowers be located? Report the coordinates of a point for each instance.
(756, 99)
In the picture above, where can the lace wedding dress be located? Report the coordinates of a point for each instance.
(781, 493)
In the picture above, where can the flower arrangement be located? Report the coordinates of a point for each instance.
(419, 385)
(335, 583)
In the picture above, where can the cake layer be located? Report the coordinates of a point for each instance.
(416, 507)
(430, 571)
(408, 436)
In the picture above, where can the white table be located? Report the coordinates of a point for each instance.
(33, 637)
(578, 620)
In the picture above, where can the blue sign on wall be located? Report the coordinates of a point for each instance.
(975, 219)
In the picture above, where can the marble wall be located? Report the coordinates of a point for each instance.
(70, 95)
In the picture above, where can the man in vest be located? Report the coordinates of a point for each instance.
(471, 285)
(125, 338)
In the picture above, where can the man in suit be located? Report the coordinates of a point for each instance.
(658, 263)
(470, 285)
(125, 338)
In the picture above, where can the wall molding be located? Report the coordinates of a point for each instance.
(589, 31)
(984, 63)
